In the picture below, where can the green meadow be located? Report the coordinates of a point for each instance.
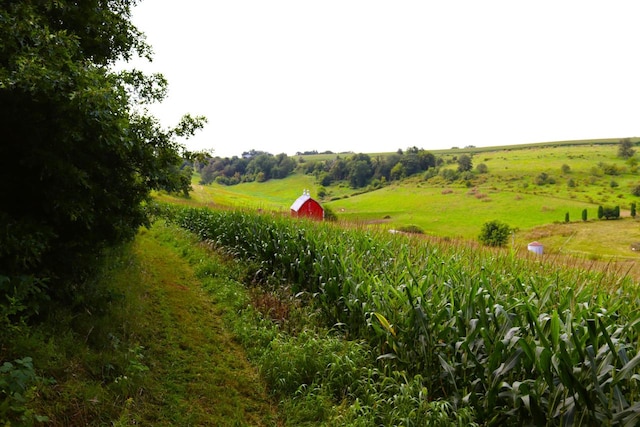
(579, 175)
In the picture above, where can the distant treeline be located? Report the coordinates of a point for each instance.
(359, 170)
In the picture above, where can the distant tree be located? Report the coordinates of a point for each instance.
(541, 179)
(325, 179)
(571, 183)
(625, 148)
(427, 160)
(384, 164)
(633, 209)
(495, 233)
(600, 212)
(636, 191)
(464, 163)
(339, 170)
(360, 173)
(565, 169)
(609, 212)
(398, 172)
(566, 217)
(482, 168)
(584, 214)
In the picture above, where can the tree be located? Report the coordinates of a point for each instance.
(625, 148)
(398, 172)
(600, 212)
(584, 214)
(87, 158)
(609, 212)
(495, 233)
(464, 163)
(482, 168)
(633, 209)
(360, 173)
(566, 217)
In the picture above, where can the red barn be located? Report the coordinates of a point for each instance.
(305, 206)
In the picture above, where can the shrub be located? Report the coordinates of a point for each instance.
(633, 210)
(584, 214)
(609, 212)
(625, 148)
(495, 233)
(414, 229)
(329, 214)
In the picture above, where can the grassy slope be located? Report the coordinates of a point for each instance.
(507, 193)
(200, 374)
(153, 349)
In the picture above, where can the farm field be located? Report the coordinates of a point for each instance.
(431, 330)
(580, 176)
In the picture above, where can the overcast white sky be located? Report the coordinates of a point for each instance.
(375, 76)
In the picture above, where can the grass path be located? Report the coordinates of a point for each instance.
(198, 374)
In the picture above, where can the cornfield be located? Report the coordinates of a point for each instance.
(518, 340)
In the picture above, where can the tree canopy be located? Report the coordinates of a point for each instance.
(79, 154)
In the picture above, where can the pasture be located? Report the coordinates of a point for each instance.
(578, 176)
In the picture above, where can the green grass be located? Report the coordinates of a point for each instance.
(508, 193)
(452, 211)
(151, 346)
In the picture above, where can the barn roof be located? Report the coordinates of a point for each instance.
(299, 202)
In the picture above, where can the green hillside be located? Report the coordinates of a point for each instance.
(529, 187)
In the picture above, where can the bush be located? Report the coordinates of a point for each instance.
(414, 229)
(329, 214)
(609, 212)
(495, 233)
(482, 168)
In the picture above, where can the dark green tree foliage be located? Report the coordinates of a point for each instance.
(600, 212)
(584, 214)
(362, 170)
(495, 233)
(633, 209)
(76, 160)
(609, 212)
(566, 217)
(464, 163)
(625, 148)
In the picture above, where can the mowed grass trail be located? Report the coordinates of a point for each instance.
(198, 374)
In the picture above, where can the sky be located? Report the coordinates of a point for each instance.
(374, 76)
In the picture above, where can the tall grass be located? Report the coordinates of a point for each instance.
(517, 340)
